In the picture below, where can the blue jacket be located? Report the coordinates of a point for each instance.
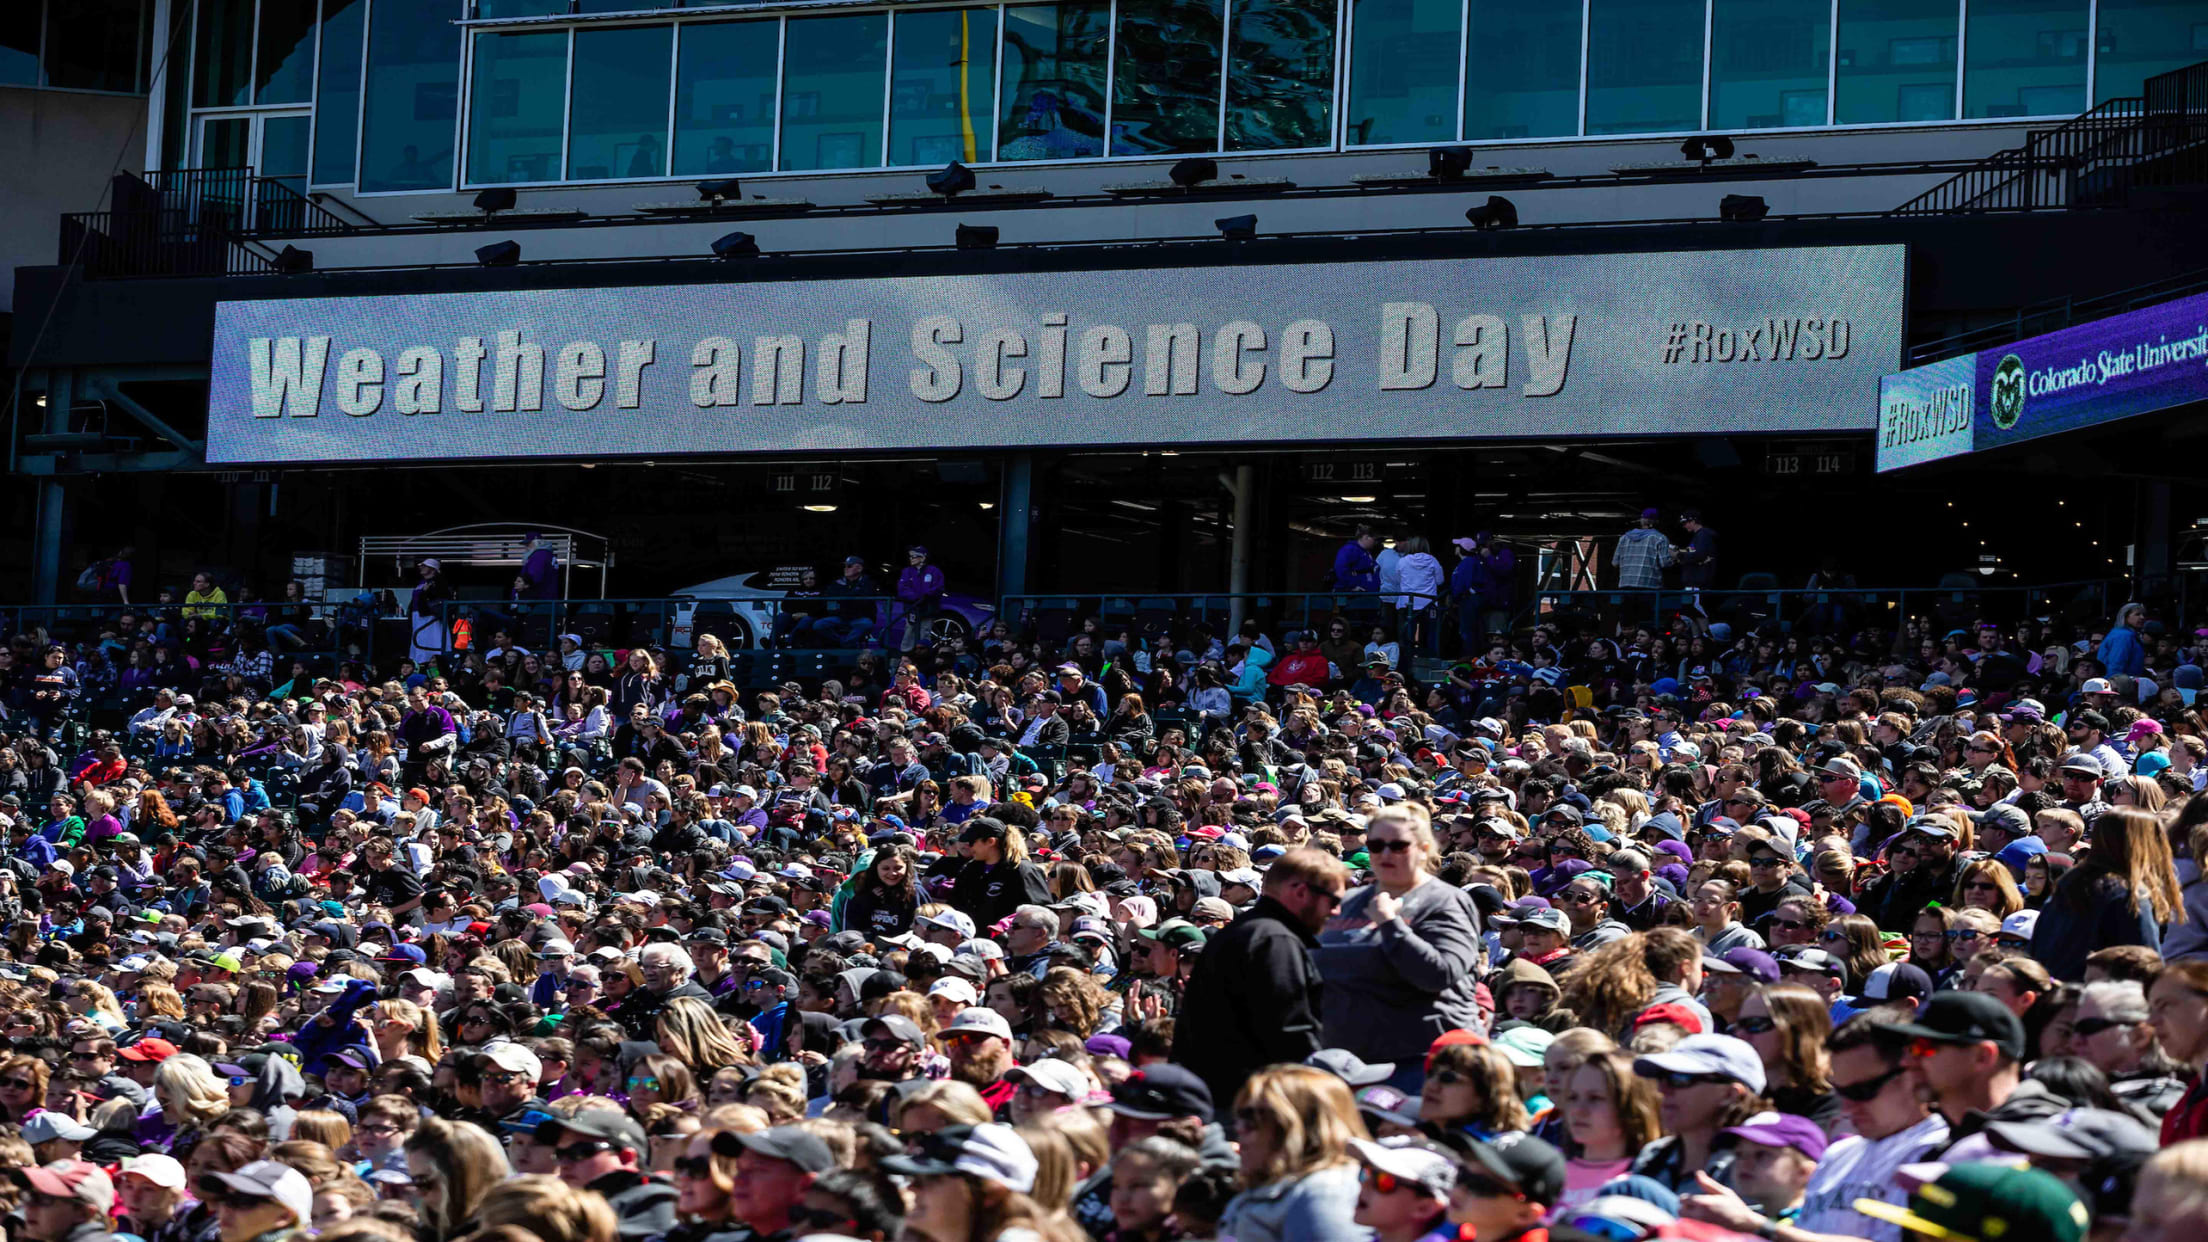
(1355, 570)
(2122, 654)
(2076, 921)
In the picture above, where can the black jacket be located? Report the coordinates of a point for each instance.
(643, 1206)
(990, 891)
(1253, 1001)
(639, 1014)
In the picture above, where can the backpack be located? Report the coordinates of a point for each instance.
(94, 574)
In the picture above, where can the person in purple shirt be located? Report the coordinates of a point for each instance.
(1354, 566)
(426, 731)
(920, 590)
(541, 571)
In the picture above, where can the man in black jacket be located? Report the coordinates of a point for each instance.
(1254, 999)
(997, 878)
(667, 971)
(602, 1149)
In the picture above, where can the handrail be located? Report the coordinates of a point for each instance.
(2052, 315)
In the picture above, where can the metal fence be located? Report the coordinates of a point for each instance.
(1950, 606)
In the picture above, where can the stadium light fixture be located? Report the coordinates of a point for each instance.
(1193, 172)
(954, 179)
(1236, 228)
(736, 246)
(977, 237)
(1704, 149)
(499, 254)
(1743, 208)
(494, 200)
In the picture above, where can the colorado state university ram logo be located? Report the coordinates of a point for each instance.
(2006, 401)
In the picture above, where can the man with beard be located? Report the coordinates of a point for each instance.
(894, 1046)
(980, 1045)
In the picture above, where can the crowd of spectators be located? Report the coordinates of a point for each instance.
(1597, 932)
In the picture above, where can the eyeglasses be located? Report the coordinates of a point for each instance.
(581, 1151)
(818, 1220)
(1833, 936)
(1678, 1080)
(1756, 1026)
(1384, 1182)
(2089, 1027)
(1576, 896)
(694, 1166)
(1402, 846)
(1448, 1077)
(86, 1056)
(643, 1084)
(1968, 935)
(379, 1127)
(1867, 1090)
(1765, 860)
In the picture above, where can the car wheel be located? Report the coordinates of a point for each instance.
(946, 627)
(739, 636)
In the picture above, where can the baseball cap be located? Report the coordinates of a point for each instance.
(1161, 1091)
(1525, 1046)
(162, 1171)
(610, 1124)
(991, 1151)
(1719, 1055)
(792, 1144)
(514, 1058)
(980, 1020)
(1518, 1160)
(48, 1126)
(956, 990)
(2097, 685)
(1812, 961)
(1385, 1103)
(1754, 963)
(2020, 925)
(1175, 934)
(266, 1179)
(1782, 1130)
(950, 920)
(1986, 1202)
(1931, 826)
(82, 1182)
(1953, 1017)
(152, 1048)
(1547, 919)
(1349, 1067)
(1897, 981)
(2082, 763)
(1410, 1160)
(898, 1025)
(1051, 1074)
(2077, 1134)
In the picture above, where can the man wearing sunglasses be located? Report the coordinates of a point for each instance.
(1504, 1186)
(601, 1149)
(774, 1169)
(1966, 1051)
(262, 1200)
(1893, 1127)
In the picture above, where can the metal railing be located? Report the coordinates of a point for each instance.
(1058, 615)
(192, 222)
(1831, 610)
(2046, 317)
(2158, 138)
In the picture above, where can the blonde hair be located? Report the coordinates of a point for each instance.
(548, 1208)
(694, 1034)
(472, 1162)
(1414, 820)
(1311, 1114)
(424, 1040)
(955, 1100)
(188, 1091)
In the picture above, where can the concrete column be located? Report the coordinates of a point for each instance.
(1015, 517)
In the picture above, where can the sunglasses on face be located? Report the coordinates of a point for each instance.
(1680, 1081)
(16, 1084)
(1867, 1090)
(1756, 1026)
(2089, 1027)
(643, 1084)
(694, 1166)
(581, 1151)
(1833, 937)
(1448, 1077)
(1791, 924)
(818, 1220)
(1386, 1183)
(1402, 846)
(1765, 860)
(1967, 935)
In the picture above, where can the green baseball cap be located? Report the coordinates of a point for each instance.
(1175, 934)
(1989, 1203)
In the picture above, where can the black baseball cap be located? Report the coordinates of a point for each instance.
(1518, 1160)
(982, 828)
(798, 1146)
(1159, 1092)
(1965, 1018)
(610, 1124)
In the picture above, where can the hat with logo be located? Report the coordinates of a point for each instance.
(1175, 934)
(1812, 961)
(1897, 981)
(1782, 1130)
(955, 990)
(1518, 1160)
(979, 1020)
(162, 1171)
(950, 920)
(1986, 1202)
(1407, 1159)
(992, 1152)
(1955, 1017)
(1053, 1075)
(2020, 925)
(1161, 1091)
(611, 1124)
(791, 1144)
(152, 1048)
(1754, 963)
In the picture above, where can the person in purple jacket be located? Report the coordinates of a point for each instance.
(920, 591)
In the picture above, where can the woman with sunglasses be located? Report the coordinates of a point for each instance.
(660, 1079)
(705, 1181)
(23, 1087)
(2177, 1009)
(1787, 1025)
(1930, 949)
(1988, 885)
(1797, 920)
(1299, 1180)
(453, 1165)
(1609, 1113)
(1400, 958)
(1473, 1088)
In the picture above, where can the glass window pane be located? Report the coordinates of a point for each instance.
(1521, 72)
(1644, 66)
(1403, 70)
(337, 91)
(617, 124)
(832, 90)
(624, 6)
(1768, 63)
(2025, 58)
(1165, 88)
(1897, 61)
(1280, 94)
(285, 71)
(413, 95)
(223, 55)
(724, 98)
(519, 8)
(2141, 38)
(942, 96)
(1053, 93)
(92, 45)
(19, 25)
(516, 107)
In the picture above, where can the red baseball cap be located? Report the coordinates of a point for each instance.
(148, 1049)
(1674, 1013)
(1450, 1038)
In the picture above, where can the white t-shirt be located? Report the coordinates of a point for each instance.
(1859, 1168)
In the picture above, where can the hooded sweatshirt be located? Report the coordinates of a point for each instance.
(278, 1085)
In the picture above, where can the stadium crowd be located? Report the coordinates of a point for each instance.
(1599, 933)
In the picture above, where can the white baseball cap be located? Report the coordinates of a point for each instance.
(955, 989)
(982, 1020)
(162, 1171)
(266, 1179)
(1052, 1074)
(1409, 1159)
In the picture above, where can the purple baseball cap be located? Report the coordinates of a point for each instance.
(1782, 1130)
(1754, 963)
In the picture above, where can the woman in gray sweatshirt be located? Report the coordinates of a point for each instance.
(1400, 960)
